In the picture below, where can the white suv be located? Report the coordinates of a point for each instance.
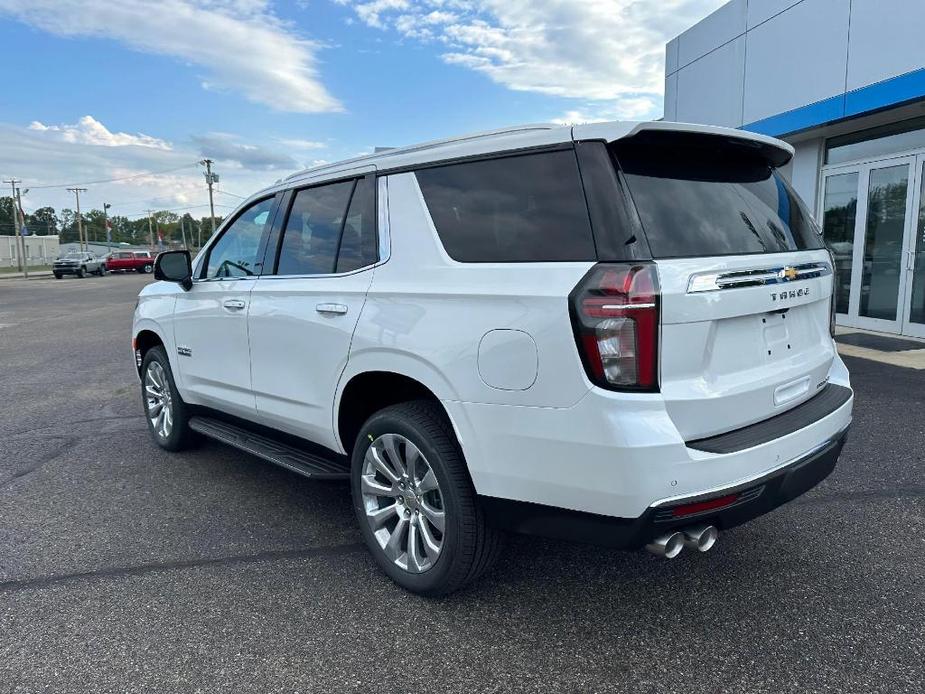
(616, 333)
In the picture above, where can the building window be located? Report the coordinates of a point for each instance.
(874, 142)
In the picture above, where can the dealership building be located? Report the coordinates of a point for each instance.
(843, 81)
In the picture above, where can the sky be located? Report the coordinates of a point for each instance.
(141, 90)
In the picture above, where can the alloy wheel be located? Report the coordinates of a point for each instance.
(403, 503)
(158, 400)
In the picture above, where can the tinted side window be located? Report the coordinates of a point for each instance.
(309, 245)
(235, 253)
(514, 209)
(358, 245)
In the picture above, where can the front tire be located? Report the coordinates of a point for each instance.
(57, 275)
(165, 412)
(414, 500)
(80, 273)
(148, 269)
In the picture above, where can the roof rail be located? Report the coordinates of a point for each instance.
(393, 151)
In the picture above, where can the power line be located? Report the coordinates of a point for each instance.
(173, 209)
(114, 180)
(234, 195)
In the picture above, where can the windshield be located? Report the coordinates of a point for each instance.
(709, 198)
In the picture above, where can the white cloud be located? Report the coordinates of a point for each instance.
(90, 131)
(296, 143)
(595, 50)
(629, 108)
(44, 155)
(241, 44)
(225, 147)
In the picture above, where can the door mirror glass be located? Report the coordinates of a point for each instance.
(174, 266)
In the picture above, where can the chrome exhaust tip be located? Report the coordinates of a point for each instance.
(668, 546)
(701, 537)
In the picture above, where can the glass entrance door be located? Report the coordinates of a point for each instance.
(914, 264)
(867, 219)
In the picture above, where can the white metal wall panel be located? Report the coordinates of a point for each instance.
(722, 26)
(671, 56)
(762, 10)
(804, 176)
(791, 62)
(886, 40)
(671, 97)
(710, 89)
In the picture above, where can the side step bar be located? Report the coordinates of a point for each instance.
(276, 452)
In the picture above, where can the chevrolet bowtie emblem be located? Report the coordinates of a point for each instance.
(789, 273)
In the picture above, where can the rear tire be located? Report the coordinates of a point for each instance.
(165, 412)
(398, 524)
(57, 275)
(102, 272)
(148, 269)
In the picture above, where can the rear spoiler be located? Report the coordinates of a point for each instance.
(776, 152)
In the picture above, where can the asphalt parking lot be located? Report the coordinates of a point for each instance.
(127, 569)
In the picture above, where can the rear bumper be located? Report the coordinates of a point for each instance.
(743, 502)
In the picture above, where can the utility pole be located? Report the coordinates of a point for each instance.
(22, 239)
(150, 231)
(80, 225)
(210, 179)
(106, 207)
(21, 256)
(183, 233)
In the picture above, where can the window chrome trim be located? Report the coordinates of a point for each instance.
(756, 277)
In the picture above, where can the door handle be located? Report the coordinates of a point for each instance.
(234, 304)
(336, 309)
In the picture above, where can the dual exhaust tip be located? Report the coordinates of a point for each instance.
(700, 537)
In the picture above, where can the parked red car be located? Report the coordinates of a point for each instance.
(125, 261)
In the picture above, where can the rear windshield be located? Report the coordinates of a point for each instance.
(522, 208)
(712, 199)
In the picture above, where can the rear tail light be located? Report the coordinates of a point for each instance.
(615, 315)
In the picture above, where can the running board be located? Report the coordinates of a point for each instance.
(284, 455)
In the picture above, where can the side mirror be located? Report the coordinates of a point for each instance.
(174, 266)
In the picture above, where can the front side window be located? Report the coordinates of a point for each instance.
(235, 253)
(309, 245)
(512, 209)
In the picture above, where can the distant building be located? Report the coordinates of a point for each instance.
(843, 81)
(40, 250)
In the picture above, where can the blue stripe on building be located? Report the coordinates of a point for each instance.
(891, 92)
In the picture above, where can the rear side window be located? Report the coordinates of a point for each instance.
(358, 244)
(713, 199)
(312, 232)
(514, 209)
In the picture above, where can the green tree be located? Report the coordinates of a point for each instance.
(43, 221)
(6, 216)
(68, 226)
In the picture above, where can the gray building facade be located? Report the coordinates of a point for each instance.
(843, 81)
